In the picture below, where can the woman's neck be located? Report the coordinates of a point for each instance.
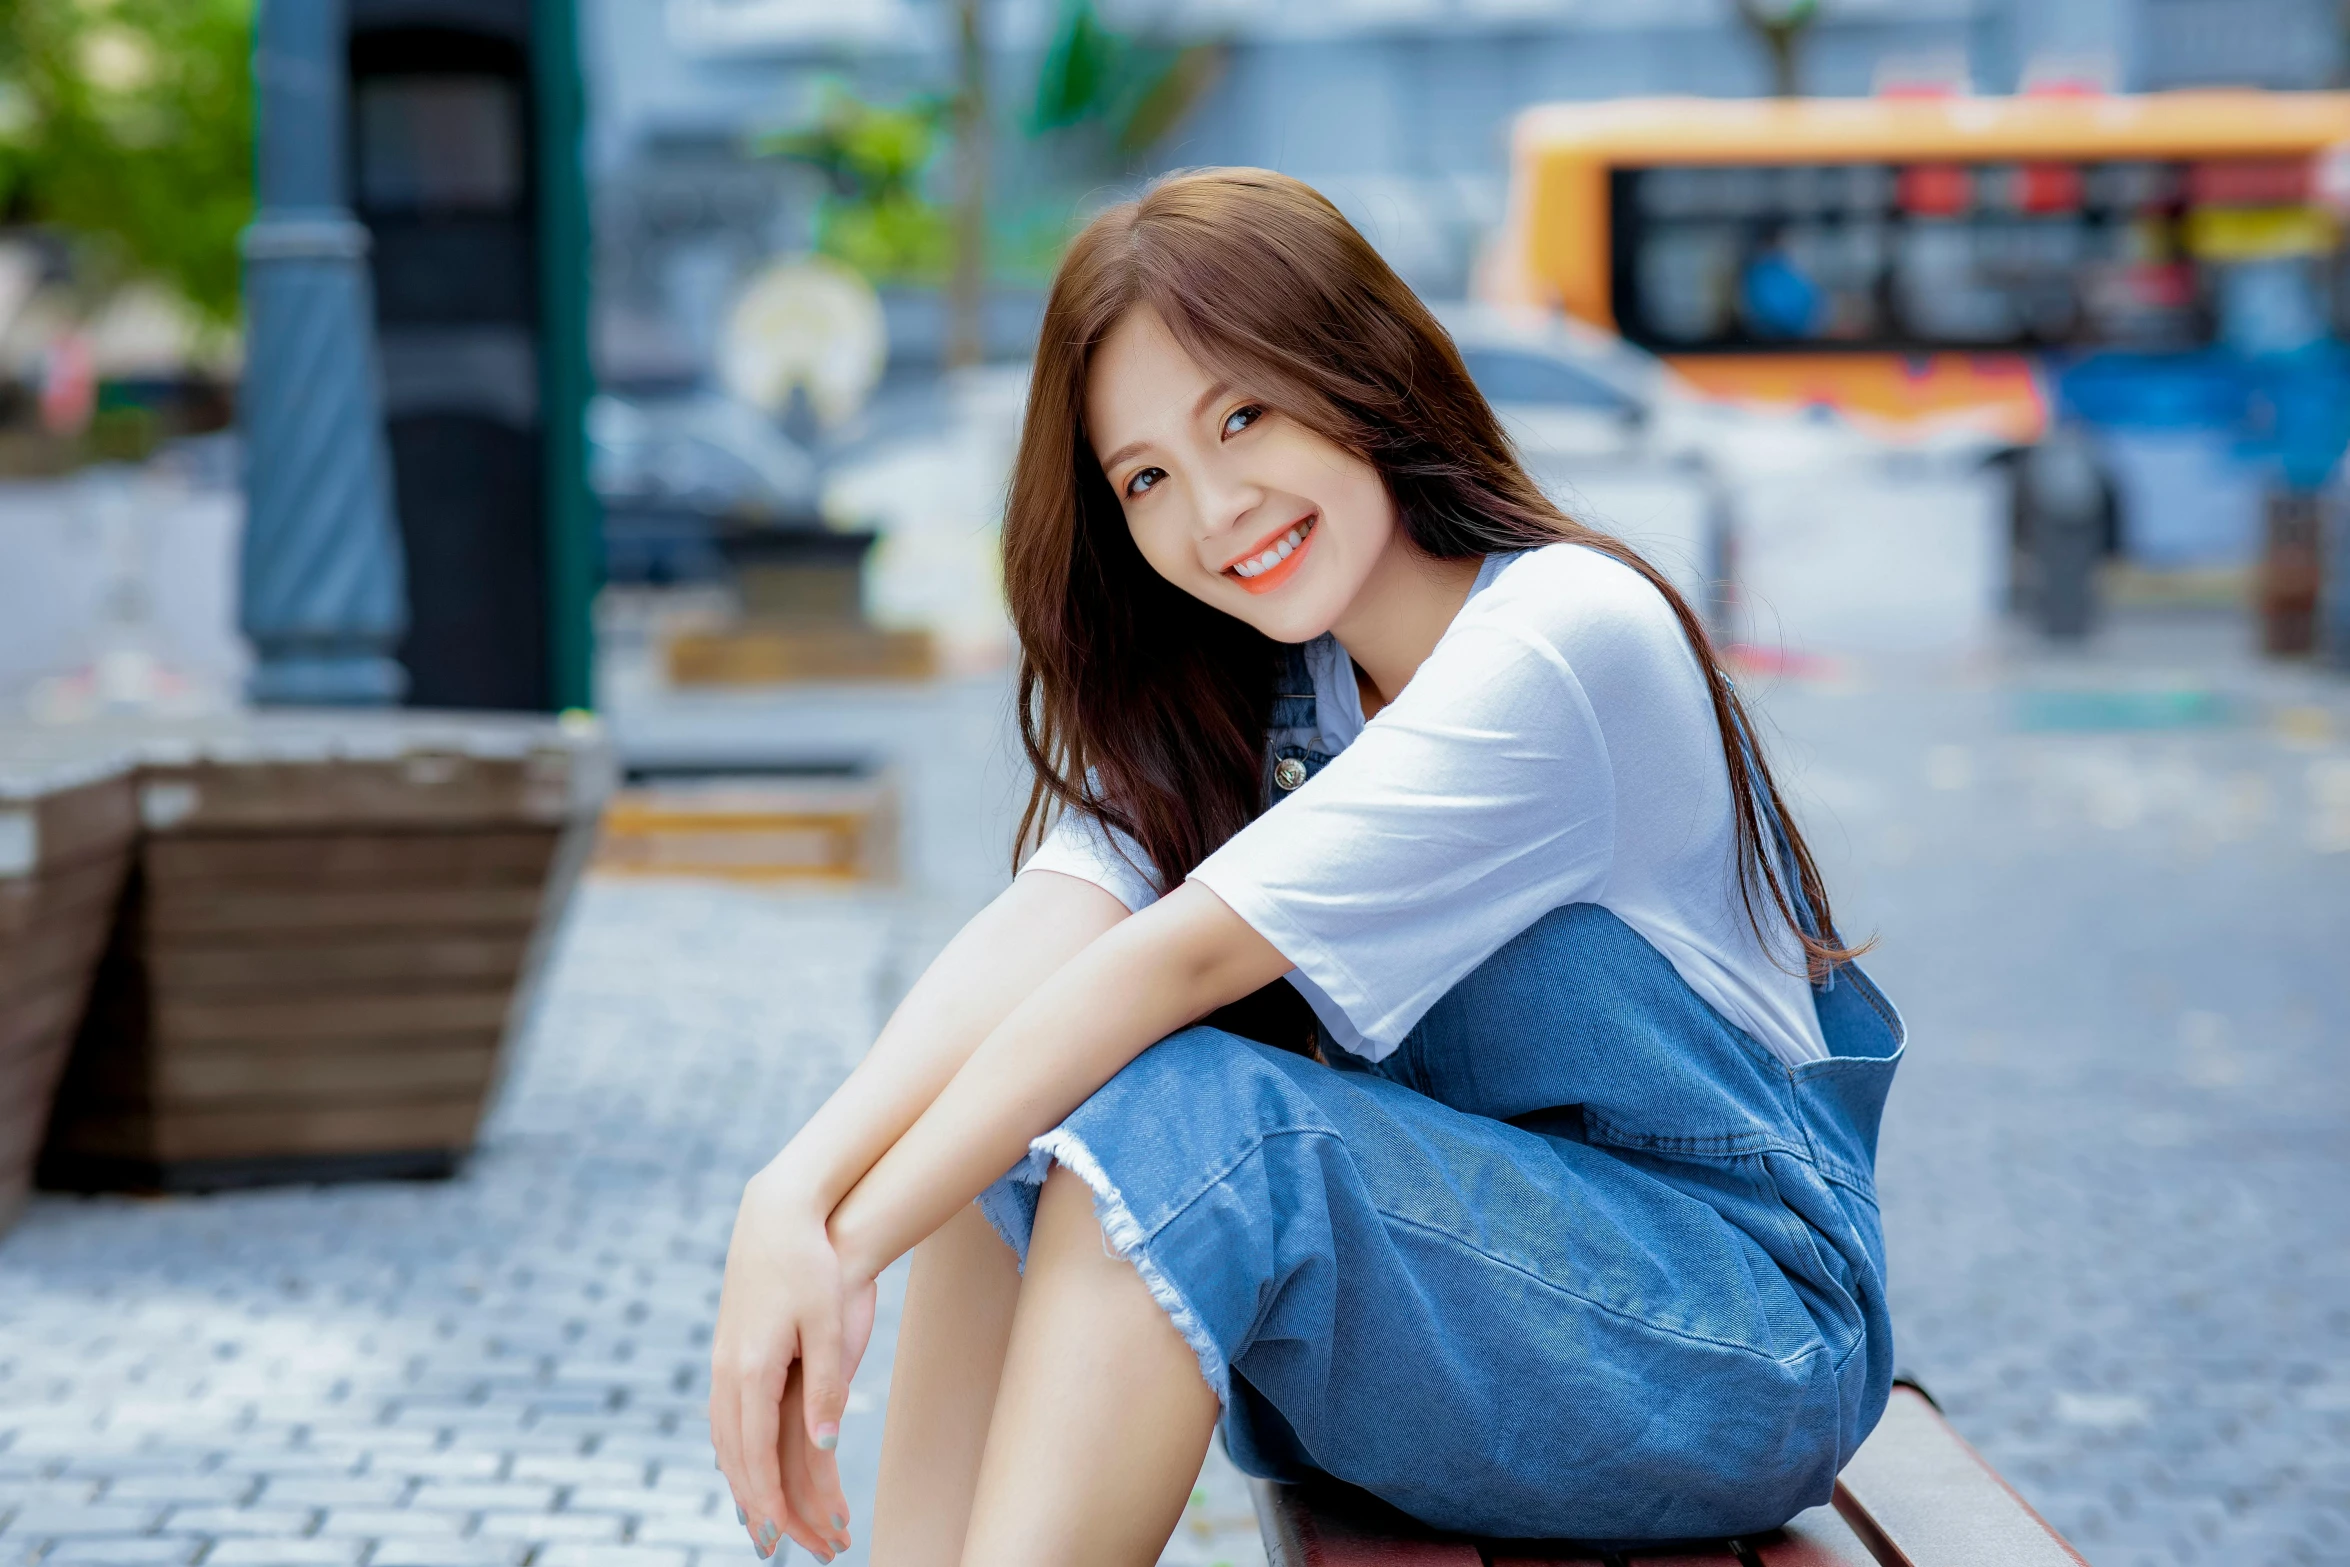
(1402, 611)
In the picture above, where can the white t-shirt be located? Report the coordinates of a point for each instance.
(1556, 747)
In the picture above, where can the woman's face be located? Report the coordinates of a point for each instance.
(1239, 506)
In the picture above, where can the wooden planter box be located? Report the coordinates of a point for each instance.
(65, 839)
(329, 931)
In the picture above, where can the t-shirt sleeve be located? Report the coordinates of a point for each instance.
(1471, 806)
(1081, 846)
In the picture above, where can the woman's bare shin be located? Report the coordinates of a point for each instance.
(942, 1392)
(1102, 1417)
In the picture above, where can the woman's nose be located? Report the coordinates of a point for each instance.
(1225, 504)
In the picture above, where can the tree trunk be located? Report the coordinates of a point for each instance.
(965, 343)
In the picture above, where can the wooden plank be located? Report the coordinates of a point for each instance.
(1818, 1538)
(26, 1087)
(127, 1071)
(315, 1129)
(275, 1131)
(32, 903)
(190, 1079)
(61, 955)
(418, 789)
(1514, 1554)
(753, 829)
(1305, 1528)
(65, 826)
(1918, 1496)
(45, 1015)
(360, 859)
(31, 1073)
(208, 912)
(770, 655)
(311, 1021)
(368, 962)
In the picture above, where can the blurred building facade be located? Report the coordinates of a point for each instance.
(1399, 109)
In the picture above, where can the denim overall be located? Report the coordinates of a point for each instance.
(1579, 1260)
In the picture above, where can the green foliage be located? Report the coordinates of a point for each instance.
(875, 216)
(129, 124)
(1131, 91)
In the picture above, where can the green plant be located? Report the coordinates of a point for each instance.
(128, 124)
(1781, 25)
(875, 216)
(1129, 90)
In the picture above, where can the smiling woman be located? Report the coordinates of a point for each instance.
(1543, 1206)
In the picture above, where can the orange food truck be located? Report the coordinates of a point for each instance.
(2134, 264)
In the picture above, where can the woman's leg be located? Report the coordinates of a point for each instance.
(942, 1391)
(1102, 1417)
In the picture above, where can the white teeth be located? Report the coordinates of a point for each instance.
(1283, 548)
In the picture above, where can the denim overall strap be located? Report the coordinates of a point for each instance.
(1294, 733)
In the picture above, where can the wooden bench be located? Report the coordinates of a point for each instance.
(1915, 1495)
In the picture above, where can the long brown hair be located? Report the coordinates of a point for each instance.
(1146, 709)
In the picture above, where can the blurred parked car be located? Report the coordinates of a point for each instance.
(1798, 532)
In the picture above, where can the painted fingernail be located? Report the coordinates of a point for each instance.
(768, 1533)
(827, 1436)
(838, 1522)
(741, 1517)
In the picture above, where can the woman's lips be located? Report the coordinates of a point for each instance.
(1278, 561)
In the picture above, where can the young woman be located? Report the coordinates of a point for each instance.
(1554, 1215)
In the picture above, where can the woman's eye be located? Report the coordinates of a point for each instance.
(1143, 480)
(1241, 418)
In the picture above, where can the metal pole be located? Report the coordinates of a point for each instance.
(324, 582)
(566, 376)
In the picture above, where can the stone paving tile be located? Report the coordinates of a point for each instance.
(284, 1552)
(447, 1553)
(118, 1550)
(609, 1556)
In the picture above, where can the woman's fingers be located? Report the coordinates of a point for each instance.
(811, 1479)
(726, 1430)
(761, 1495)
(826, 1390)
(856, 1332)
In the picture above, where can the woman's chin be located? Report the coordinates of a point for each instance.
(1293, 612)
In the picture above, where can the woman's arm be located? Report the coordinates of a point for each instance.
(1006, 951)
(1167, 966)
(783, 1284)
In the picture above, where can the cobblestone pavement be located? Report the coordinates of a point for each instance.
(507, 1367)
(2113, 1173)
(2114, 1165)
(451, 1373)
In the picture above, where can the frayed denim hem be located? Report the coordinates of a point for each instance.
(1010, 1208)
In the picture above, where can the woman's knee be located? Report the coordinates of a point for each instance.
(1203, 1077)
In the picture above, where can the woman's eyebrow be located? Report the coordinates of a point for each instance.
(1198, 408)
(1122, 453)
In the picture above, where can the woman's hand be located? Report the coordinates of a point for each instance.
(792, 1326)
